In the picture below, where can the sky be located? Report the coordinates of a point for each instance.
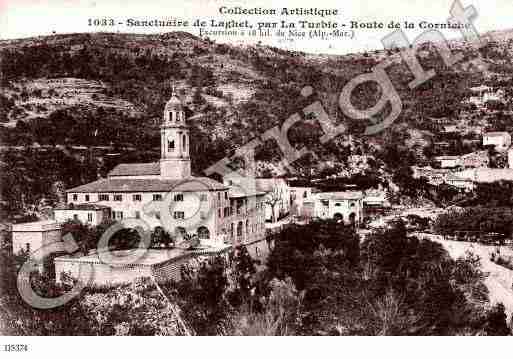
(26, 18)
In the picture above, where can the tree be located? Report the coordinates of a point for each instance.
(272, 198)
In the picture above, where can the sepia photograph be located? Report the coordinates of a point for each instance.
(233, 168)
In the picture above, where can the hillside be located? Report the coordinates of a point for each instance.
(108, 90)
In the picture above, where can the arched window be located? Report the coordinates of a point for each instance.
(203, 232)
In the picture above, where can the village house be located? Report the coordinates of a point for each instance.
(500, 140)
(342, 206)
(36, 239)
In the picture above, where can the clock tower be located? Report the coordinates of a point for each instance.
(175, 162)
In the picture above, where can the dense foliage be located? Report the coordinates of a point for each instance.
(318, 281)
(486, 219)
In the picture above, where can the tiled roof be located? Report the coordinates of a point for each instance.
(136, 169)
(81, 207)
(341, 195)
(237, 192)
(192, 184)
(496, 134)
(38, 226)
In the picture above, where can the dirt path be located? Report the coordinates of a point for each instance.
(499, 281)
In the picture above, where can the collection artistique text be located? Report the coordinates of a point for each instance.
(237, 10)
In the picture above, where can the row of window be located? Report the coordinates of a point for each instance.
(228, 211)
(138, 197)
(249, 228)
(118, 215)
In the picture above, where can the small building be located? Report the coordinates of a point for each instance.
(375, 199)
(448, 161)
(118, 268)
(36, 239)
(343, 206)
(87, 213)
(500, 140)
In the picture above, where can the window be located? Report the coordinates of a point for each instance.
(170, 145)
(226, 211)
(137, 198)
(118, 197)
(219, 213)
(157, 197)
(178, 197)
(178, 215)
(157, 215)
(304, 194)
(75, 197)
(137, 214)
(103, 197)
(89, 217)
(75, 217)
(338, 204)
(184, 142)
(203, 197)
(226, 195)
(87, 198)
(218, 196)
(117, 214)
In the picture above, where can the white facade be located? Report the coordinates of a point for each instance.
(36, 238)
(501, 140)
(87, 214)
(345, 206)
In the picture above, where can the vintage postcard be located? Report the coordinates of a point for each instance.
(255, 168)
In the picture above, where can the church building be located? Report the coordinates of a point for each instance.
(166, 194)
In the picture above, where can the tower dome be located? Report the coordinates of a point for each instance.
(174, 112)
(174, 103)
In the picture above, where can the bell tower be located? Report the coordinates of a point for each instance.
(175, 162)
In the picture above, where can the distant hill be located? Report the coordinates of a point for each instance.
(112, 87)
